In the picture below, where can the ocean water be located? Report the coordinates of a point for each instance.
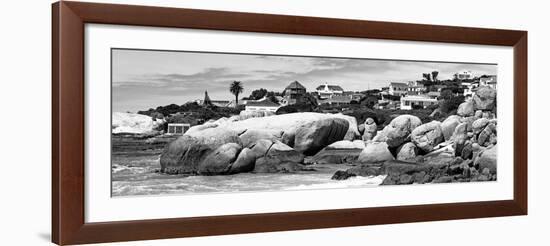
(138, 175)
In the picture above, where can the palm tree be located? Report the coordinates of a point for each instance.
(236, 88)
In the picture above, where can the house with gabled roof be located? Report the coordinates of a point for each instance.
(327, 91)
(413, 101)
(295, 93)
(398, 89)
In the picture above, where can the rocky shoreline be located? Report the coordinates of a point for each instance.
(462, 148)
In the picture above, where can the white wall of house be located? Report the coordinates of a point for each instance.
(397, 90)
(261, 108)
(408, 102)
(326, 92)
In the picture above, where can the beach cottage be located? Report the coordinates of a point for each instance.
(327, 91)
(295, 93)
(411, 102)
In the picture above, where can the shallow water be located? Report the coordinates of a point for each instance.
(137, 174)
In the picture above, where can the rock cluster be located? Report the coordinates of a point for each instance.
(276, 143)
(462, 148)
(444, 169)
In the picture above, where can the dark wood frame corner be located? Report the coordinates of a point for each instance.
(68, 224)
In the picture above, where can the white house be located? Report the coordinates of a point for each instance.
(409, 102)
(398, 89)
(262, 105)
(415, 88)
(463, 75)
(327, 91)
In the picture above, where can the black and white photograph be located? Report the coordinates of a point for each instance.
(190, 122)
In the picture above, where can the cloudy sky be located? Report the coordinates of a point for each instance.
(143, 79)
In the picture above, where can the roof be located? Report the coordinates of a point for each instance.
(434, 93)
(398, 84)
(330, 87)
(264, 103)
(295, 85)
(417, 98)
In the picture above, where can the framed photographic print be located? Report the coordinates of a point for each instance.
(176, 122)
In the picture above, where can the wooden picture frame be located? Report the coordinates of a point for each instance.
(68, 123)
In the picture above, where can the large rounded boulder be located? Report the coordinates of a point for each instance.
(185, 154)
(279, 157)
(407, 151)
(488, 135)
(307, 132)
(244, 163)
(478, 125)
(312, 137)
(353, 130)
(466, 109)
(261, 147)
(375, 152)
(400, 128)
(251, 136)
(220, 160)
(485, 98)
(448, 126)
(427, 136)
(461, 133)
(487, 159)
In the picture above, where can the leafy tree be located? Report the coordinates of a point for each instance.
(257, 94)
(434, 75)
(450, 104)
(261, 93)
(446, 94)
(427, 76)
(236, 88)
